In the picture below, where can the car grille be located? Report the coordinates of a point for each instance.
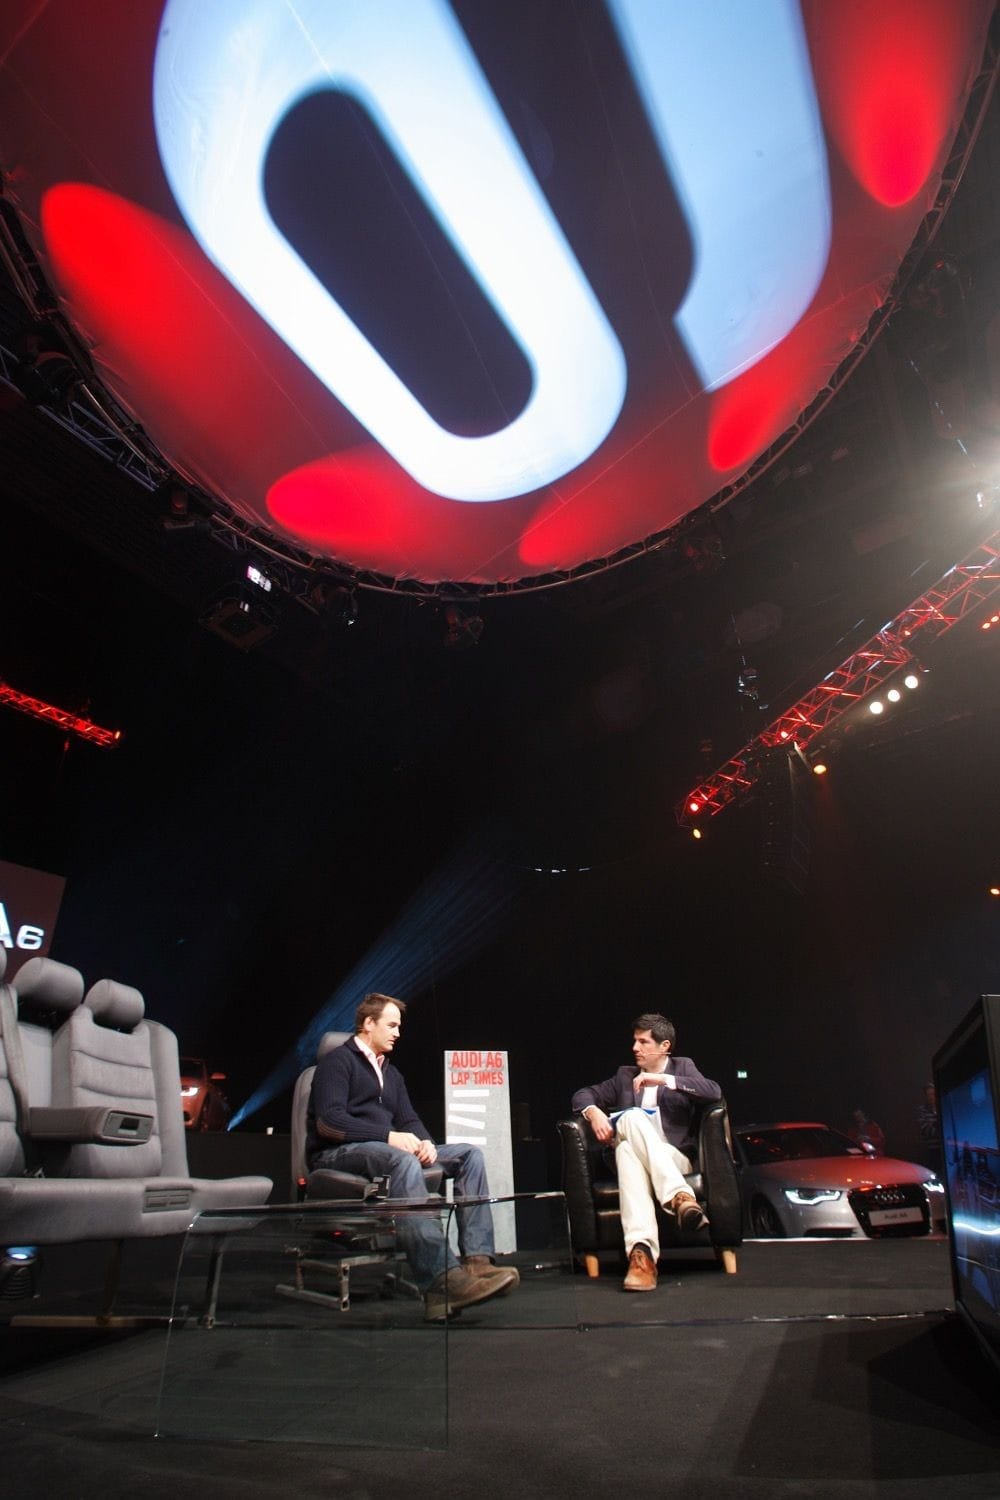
(886, 1211)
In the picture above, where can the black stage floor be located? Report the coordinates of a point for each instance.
(832, 1370)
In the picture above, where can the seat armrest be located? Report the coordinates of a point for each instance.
(88, 1124)
(577, 1141)
(718, 1169)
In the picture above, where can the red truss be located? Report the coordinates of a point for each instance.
(962, 588)
(72, 723)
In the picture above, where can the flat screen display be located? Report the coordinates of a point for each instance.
(967, 1100)
(29, 906)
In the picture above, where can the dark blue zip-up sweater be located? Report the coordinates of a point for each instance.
(347, 1099)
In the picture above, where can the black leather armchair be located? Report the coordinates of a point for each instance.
(591, 1190)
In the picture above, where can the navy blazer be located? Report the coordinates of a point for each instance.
(676, 1104)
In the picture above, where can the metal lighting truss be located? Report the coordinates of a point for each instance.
(965, 586)
(63, 718)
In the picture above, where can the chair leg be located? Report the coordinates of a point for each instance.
(728, 1259)
(593, 1266)
(218, 1250)
(106, 1315)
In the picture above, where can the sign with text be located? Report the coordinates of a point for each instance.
(29, 906)
(477, 1111)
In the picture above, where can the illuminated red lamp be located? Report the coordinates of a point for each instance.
(63, 718)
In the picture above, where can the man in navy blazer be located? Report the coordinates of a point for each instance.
(647, 1113)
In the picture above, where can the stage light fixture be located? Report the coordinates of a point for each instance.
(694, 807)
(995, 890)
(463, 628)
(894, 695)
(747, 684)
(911, 680)
(819, 769)
(259, 578)
(876, 706)
(243, 615)
(696, 833)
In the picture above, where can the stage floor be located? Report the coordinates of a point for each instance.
(824, 1369)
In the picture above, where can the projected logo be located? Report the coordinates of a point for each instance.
(481, 290)
(228, 74)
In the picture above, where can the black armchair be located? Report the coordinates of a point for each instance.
(591, 1190)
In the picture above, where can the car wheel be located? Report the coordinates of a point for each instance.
(764, 1221)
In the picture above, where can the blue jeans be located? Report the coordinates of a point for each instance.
(422, 1239)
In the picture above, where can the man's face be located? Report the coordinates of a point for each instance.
(381, 1031)
(649, 1054)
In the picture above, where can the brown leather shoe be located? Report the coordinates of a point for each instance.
(690, 1215)
(504, 1278)
(641, 1275)
(452, 1291)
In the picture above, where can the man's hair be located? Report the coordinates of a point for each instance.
(373, 1005)
(659, 1028)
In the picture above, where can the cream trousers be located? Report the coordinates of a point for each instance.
(650, 1171)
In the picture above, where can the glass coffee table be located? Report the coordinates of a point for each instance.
(314, 1331)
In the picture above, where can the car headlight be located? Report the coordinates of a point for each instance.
(808, 1196)
(934, 1185)
(190, 1091)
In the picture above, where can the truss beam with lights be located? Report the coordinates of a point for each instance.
(63, 718)
(961, 590)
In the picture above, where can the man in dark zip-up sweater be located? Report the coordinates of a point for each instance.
(361, 1120)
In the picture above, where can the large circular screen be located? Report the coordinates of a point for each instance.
(474, 291)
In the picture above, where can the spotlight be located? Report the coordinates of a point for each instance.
(819, 769)
(243, 615)
(894, 695)
(995, 890)
(696, 833)
(333, 601)
(911, 680)
(694, 805)
(18, 1272)
(45, 373)
(178, 509)
(876, 706)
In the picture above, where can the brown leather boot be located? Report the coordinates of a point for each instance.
(452, 1291)
(504, 1278)
(690, 1215)
(641, 1276)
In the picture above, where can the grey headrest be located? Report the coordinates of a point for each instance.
(115, 1004)
(331, 1039)
(49, 985)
